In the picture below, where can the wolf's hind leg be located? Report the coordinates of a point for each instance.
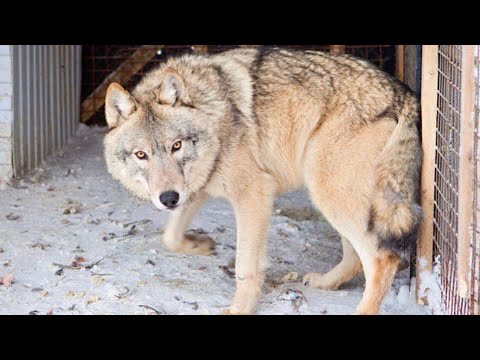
(379, 272)
(175, 238)
(340, 274)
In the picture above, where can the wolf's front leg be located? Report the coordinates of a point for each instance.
(175, 238)
(252, 210)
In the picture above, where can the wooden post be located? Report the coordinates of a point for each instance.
(400, 62)
(465, 176)
(429, 115)
(337, 49)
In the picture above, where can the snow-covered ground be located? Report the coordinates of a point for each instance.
(78, 243)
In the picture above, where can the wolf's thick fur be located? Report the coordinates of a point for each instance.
(254, 123)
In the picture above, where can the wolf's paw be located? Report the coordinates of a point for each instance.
(195, 244)
(233, 312)
(362, 310)
(245, 309)
(320, 281)
(245, 300)
(226, 312)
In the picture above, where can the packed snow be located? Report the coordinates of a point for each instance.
(430, 285)
(73, 241)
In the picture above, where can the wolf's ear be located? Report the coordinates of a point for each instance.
(119, 104)
(172, 89)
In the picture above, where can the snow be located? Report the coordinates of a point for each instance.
(76, 242)
(430, 285)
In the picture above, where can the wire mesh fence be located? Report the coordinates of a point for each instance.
(447, 219)
(381, 55)
(103, 64)
(446, 172)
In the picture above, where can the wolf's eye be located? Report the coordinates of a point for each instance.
(177, 146)
(141, 155)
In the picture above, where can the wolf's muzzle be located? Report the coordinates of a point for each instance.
(169, 199)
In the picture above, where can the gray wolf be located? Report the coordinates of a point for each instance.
(249, 124)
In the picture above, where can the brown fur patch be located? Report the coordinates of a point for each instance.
(384, 269)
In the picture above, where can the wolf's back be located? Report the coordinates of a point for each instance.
(395, 214)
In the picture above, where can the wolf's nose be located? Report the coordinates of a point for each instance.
(169, 199)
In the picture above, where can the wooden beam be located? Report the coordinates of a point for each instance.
(337, 49)
(429, 115)
(400, 62)
(475, 290)
(465, 176)
(122, 74)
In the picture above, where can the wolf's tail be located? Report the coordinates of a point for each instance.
(395, 214)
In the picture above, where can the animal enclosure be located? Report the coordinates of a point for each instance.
(450, 108)
(47, 90)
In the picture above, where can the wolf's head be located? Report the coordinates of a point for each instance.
(161, 145)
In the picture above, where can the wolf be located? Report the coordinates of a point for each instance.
(251, 123)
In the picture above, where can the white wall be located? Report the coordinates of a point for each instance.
(6, 112)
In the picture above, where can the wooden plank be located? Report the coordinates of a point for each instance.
(475, 290)
(429, 114)
(476, 205)
(465, 176)
(400, 62)
(122, 74)
(337, 49)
